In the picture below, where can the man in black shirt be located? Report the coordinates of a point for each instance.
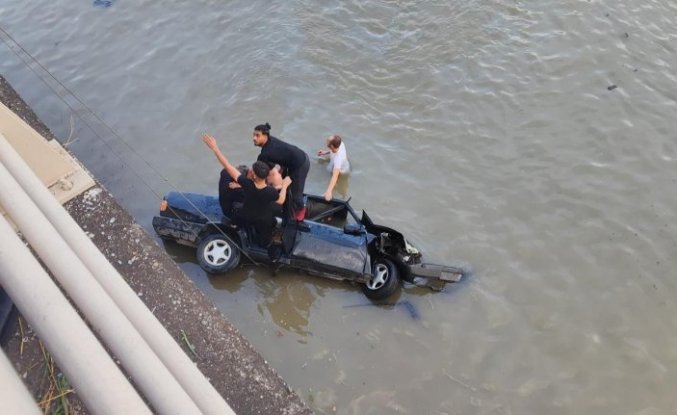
(259, 198)
(292, 158)
(230, 191)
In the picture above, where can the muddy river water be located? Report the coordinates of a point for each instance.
(534, 140)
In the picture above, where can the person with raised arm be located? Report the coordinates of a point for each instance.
(259, 198)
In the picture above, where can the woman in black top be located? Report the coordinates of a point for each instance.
(259, 198)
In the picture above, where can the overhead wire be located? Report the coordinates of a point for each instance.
(12, 43)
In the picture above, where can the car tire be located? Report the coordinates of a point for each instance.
(384, 282)
(217, 253)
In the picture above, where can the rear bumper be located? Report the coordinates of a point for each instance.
(437, 272)
(177, 229)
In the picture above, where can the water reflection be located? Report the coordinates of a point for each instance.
(286, 299)
(288, 305)
(232, 281)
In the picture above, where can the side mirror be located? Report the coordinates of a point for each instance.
(366, 220)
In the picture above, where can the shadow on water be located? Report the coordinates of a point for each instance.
(391, 303)
(405, 305)
(409, 306)
(179, 253)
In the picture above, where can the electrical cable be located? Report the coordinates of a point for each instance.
(9, 41)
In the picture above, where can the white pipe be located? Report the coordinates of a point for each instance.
(147, 371)
(14, 397)
(171, 354)
(98, 381)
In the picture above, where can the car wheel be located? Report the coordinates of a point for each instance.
(384, 280)
(217, 254)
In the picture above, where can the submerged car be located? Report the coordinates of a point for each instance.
(331, 242)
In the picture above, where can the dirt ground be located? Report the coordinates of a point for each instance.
(236, 370)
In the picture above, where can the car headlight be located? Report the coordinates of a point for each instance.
(410, 249)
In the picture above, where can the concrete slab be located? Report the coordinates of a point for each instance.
(59, 171)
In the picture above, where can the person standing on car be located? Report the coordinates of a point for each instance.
(338, 162)
(294, 160)
(259, 198)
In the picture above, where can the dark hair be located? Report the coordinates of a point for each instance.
(243, 169)
(263, 128)
(334, 141)
(260, 169)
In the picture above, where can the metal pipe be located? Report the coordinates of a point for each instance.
(186, 372)
(14, 397)
(99, 382)
(147, 370)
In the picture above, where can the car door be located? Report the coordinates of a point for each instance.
(331, 247)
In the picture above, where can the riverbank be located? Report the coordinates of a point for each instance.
(235, 369)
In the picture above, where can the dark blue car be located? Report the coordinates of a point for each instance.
(331, 242)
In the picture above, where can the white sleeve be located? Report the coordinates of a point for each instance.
(341, 161)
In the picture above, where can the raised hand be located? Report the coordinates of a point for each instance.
(210, 141)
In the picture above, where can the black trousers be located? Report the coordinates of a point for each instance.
(298, 183)
(263, 226)
(228, 196)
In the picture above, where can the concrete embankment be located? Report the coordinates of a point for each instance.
(235, 369)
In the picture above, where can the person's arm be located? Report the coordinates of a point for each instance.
(283, 192)
(274, 178)
(332, 182)
(211, 143)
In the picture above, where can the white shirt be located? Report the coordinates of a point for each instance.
(339, 160)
